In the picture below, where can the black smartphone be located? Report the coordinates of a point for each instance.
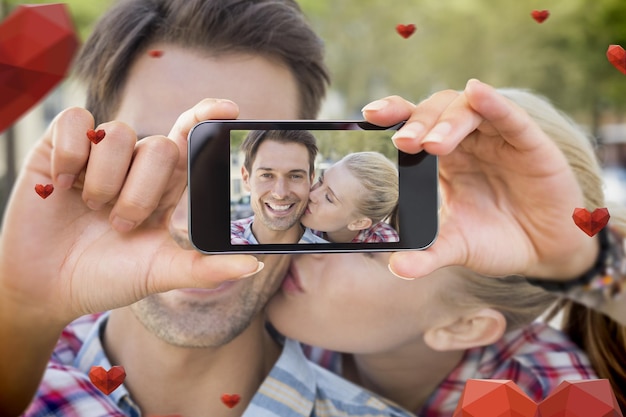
(306, 186)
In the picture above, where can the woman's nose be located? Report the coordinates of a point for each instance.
(314, 195)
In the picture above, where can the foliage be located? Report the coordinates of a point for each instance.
(497, 42)
(84, 13)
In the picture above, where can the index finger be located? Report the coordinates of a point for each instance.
(69, 145)
(503, 117)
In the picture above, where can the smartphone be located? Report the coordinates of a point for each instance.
(258, 187)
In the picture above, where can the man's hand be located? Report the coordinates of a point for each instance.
(508, 192)
(100, 241)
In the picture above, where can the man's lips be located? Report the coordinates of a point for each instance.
(279, 209)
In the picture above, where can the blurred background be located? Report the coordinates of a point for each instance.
(563, 58)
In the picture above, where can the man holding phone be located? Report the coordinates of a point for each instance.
(113, 235)
(278, 170)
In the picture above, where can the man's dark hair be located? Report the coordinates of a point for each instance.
(276, 29)
(253, 140)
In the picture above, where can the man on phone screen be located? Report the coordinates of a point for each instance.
(278, 170)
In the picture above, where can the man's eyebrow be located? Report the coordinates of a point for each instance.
(304, 171)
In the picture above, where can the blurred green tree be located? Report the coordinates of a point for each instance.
(84, 13)
(562, 58)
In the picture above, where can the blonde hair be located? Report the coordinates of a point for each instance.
(379, 178)
(603, 339)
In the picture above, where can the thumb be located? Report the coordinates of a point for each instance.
(410, 265)
(177, 268)
(206, 109)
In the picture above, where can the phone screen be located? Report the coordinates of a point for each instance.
(307, 186)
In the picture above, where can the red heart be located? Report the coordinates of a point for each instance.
(230, 400)
(37, 44)
(617, 57)
(44, 190)
(589, 398)
(96, 135)
(107, 381)
(494, 398)
(540, 15)
(405, 30)
(591, 223)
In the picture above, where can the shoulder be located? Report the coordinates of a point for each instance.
(380, 232)
(241, 224)
(538, 358)
(67, 391)
(297, 387)
(310, 236)
(72, 338)
(346, 398)
(239, 230)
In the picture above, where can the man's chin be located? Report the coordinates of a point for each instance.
(224, 286)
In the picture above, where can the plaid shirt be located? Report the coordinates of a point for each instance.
(295, 387)
(537, 358)
(241, 233)
(380, 232)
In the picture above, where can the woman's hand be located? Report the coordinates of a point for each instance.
(508, 192)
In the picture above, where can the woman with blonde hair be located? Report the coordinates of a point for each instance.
(353, 199)
(418, 342)
(585, 310)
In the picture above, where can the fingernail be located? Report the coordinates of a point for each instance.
(399, 276)
(259, 267)
(374, 106)
(412, 130)
(438, 133)
(94, 205)
(472, 81)
(65, 180)
(122, 225)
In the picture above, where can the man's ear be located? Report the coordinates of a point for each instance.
(245, 176)
(479, 328)
(360, 224)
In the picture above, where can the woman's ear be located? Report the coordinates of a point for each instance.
(479, 328)
(360, 224)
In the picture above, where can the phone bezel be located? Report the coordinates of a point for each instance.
(209, 218)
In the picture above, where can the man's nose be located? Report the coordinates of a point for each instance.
(280, 189)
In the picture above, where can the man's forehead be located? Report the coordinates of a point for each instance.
(159, 90)
(284, 156)
(275, 149)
